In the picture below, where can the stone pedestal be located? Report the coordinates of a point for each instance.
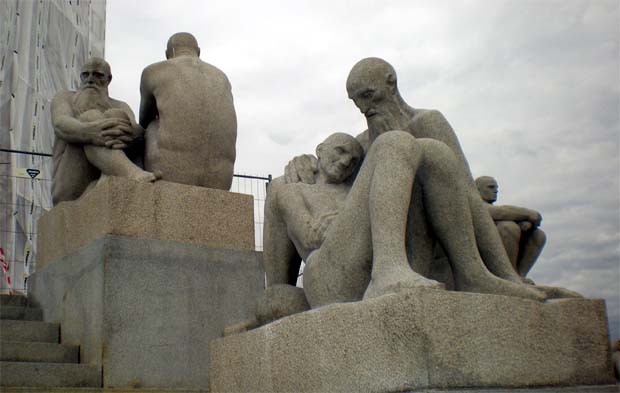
(417, 340)
(146, 310)
(160, 210)
(144, 276)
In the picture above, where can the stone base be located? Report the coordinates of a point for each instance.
(146, 310)
(420, 339)
(160, 210)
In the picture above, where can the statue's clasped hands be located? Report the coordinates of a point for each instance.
(119, 133)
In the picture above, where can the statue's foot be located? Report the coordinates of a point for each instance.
(279, 301)
(240, 327)
(528, 281)
(493, 285)
(398, 280)
(143, 176)
(557, 292)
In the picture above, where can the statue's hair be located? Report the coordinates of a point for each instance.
(372, 68)
(182, 40)
(98, 61)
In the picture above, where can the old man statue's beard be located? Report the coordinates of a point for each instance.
(382, 123)
(89, 98)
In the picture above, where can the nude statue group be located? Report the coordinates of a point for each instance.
(367, 215)
(368, 226)
(186, 132)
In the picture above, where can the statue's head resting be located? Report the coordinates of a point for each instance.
(371, 84)
(339, 155)
(488, 188)
(182, 44)
(95, 74)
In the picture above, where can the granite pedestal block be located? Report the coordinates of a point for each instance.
(160, 210)
(146, 310)
(417, 340)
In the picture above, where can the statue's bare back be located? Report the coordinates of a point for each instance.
(191, 125)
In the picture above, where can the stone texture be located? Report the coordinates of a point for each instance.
(48, 374)
(23, 313)
(279, 301)
(29, 331)
(162, 210)
(146, 310)
(420, 339)
(128, 390)
(189, 115)
(21, 351)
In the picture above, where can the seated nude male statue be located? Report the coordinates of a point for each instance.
(518, 227)
(90, 144)
(188, 113)
(413, 189)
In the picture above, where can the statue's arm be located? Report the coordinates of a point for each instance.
(70, 129)
(280, 257)
(301, 225)
(515, 213)
(148, 105)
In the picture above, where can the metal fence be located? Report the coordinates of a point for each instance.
(20, 211)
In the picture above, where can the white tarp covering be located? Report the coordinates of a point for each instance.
(43, 45)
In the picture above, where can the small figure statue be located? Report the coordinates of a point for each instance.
(91, 130)
(188, 113)
(518, 227)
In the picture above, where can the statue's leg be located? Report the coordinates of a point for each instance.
(490, 245)
(280, 258)
(510, 233)
(395, 158)
(114, 162)
(448, 211)
(72, 172)
(532, 246)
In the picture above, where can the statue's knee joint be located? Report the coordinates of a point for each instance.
(509, 228)
(394, 141)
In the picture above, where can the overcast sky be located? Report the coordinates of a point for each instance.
(532, 89)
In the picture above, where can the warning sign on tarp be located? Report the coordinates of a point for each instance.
(29, 173)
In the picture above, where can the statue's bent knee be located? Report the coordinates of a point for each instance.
(509, 229)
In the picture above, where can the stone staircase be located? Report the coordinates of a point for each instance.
(31, 354)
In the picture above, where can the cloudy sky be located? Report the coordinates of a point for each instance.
(532, 89)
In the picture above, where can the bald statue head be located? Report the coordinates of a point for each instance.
(182, 44)
(372, 87)
(488, 188)
(339, 156)
(95, 76)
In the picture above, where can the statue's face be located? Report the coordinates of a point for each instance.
(488, 190)
(339, 158)
(94, 76)
(370, 96)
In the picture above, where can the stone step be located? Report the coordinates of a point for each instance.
(569, 389)
(22, 351)
(102, 390)
(17, 374)
(21, 313)
(33, 331)
(13, 300)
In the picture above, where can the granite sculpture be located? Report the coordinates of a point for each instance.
(189, 116)
(92, 130)
(519, 227)
(365, 252)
